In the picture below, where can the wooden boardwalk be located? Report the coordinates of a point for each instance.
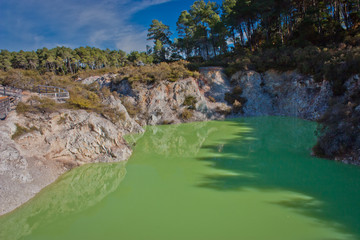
(14, 94)
(9, 97)
(59, 94)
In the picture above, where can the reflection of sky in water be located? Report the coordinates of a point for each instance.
(249, 178)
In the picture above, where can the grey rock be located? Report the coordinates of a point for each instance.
(37, 158)
(163, 102)
(285, 94)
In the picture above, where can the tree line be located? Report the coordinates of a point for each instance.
(64, 60)
(209, 30)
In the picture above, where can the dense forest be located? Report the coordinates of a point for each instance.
(209, 30)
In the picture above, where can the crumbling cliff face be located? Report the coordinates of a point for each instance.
(270, 93)
(54, 144)
(340, 133)
(175, 102)
(283, 94)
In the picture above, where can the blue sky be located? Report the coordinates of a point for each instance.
(114, 24)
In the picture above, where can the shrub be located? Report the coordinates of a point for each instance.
(130, 108)
(96, 72)
(190, 101)
(235, 100)
(237, 90)
(113, 115)
(233, 96)
(186, 114)
(20, 130)
(237, 107)
(167, 122)
(80, 98)
(29, 79)
(159, 72)
(22, 108)
(223, 111)
(38, 105)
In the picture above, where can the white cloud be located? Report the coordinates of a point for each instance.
(132, 40)
(141, 5)
(76, 23)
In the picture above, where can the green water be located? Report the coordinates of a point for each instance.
(248, 178)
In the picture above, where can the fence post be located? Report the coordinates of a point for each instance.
(6, 108)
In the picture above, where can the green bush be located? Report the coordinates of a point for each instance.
(38, 105)
(190, 101)
(113, 115)
(20, 130)
(235, 95)
(235, 100)
(22, 108)
(130, 108)
(80, 98)
(159, 72)
(186, 114)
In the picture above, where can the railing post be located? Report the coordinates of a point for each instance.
(6, 108)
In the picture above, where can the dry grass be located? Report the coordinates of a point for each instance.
(159, 72)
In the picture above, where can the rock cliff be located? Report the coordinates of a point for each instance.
(284, 94)
(53, 144)
(340, 133)
(174, 102)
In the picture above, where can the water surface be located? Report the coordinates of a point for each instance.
(250, 178)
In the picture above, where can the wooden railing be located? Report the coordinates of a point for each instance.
(8, 97)
(52, 92)
(14, 94)
(11, 96)
(4, 107)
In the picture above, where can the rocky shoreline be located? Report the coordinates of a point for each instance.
(69, 138)
(57, 143)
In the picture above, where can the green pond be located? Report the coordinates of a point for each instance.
(249, 178)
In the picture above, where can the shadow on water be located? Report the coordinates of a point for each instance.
(275, 156)
(72, 193)
(264, 154)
